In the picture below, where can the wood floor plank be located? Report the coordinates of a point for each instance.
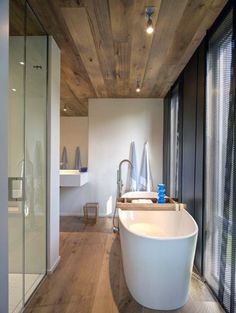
(90, 279)
(104, 300)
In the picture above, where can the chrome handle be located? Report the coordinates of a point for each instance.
(11, 180)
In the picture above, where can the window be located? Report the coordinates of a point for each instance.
(220, 166)
(174, 142)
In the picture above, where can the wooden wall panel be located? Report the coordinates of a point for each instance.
(78, 24)
(121, 14)
(105, 47)
(100, 19)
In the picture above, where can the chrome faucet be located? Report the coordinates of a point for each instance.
(119, 180)
(119, 192)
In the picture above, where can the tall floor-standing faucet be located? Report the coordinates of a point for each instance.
(119, 191)
(119, 179)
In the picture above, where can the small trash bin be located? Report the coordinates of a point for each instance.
(91, 210)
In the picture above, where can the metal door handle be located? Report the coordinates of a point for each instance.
(10, 188)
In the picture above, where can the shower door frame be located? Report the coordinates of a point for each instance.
(4, 73)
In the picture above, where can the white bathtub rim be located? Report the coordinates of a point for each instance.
(169, 238)
(140, 194)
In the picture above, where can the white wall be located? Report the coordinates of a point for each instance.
(4, 36)
(113, 124)
(74, 132)
(53, 154)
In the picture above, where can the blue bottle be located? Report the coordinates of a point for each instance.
(161, 193)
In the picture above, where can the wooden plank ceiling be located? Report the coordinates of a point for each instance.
(105, 48)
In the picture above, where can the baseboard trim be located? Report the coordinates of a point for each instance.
(52, 269)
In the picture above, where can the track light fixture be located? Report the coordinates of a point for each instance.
(149, 16)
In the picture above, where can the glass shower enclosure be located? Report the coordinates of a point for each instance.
(27, 154)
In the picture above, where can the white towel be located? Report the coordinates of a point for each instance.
(77, 159)
(64, 159)
(145, 178)
(132, 176)
(142, 201)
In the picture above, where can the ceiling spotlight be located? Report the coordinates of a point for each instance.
(138, 88)
(150, 28)
(13, 89)
(149, 17)
(65, 108)
(22, 63)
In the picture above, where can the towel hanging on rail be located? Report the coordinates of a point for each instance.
(78, 164)
(64, 160)
(145, 178)
(132, 175)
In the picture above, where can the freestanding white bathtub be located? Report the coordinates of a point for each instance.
(158, 249)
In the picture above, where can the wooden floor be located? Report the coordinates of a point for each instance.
(89, 278)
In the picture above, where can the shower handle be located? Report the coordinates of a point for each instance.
(11, 180)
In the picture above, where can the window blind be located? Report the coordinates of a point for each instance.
(174, 142)
(220, 184)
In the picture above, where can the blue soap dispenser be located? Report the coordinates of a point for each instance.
(161, 193)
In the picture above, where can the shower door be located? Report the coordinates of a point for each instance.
(35, 154)
(16, 158)
(27, 154)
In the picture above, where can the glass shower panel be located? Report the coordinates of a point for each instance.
(35, 153)
(16, 155)
(27, 154)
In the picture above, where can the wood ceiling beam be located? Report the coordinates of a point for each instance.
(105, 48)
(72, 76)
(100, 21)
(80, 30)
(70, 56)
(50, 16)
(69, 100)
(71, 84)
(122, 53)
(121, 13)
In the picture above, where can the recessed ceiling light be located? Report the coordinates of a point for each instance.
(22, 63)
(65, 108)
(13, 89)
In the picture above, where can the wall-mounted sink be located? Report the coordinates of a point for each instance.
(73, 178)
